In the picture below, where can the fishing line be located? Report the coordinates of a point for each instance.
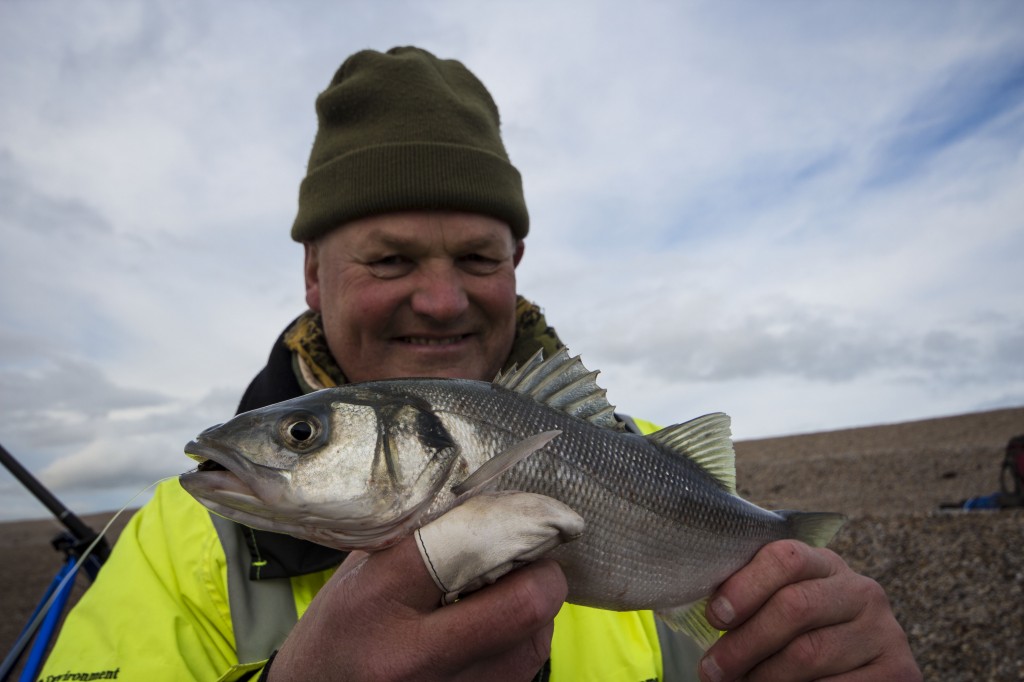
(30, 630)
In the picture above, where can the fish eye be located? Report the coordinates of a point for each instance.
(300, 431)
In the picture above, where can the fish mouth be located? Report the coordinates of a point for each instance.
(227, 479)
(210, 465)
(212, 458)
(229, 485)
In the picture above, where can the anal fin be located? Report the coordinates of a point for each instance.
(691, 621)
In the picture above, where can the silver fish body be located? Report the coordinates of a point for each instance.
(360, 466)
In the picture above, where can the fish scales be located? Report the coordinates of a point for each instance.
(651, 514)
(664, 525)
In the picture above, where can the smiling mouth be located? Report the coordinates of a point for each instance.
(433, 341)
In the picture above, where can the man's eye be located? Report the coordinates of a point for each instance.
(390, 266)
(479, 264)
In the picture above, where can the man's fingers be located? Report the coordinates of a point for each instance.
(524, 601)
(796, 633)
(825, 652)
(774, 566)
(506, 627)
(802, 613)
(501, 632)
(399, 577)
(352, 561)
(867, 645)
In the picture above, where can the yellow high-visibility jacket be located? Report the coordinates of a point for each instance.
(162, 609)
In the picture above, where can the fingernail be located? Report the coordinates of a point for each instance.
(722, 610)
(709, 669)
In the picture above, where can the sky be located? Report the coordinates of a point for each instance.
(807, 215)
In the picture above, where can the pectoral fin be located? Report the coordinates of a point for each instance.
(504, 461)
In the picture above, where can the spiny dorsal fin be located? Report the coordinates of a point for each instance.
(707, 441)
(563, 383)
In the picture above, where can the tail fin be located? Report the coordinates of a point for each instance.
(814, 528)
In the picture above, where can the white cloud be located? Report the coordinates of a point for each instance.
(808, 217)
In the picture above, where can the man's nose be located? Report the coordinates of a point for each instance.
(440, 293)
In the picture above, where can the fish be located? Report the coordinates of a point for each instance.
(360, 466)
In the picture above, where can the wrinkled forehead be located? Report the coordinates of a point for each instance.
(427, 230)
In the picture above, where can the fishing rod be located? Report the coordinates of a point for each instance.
(83, 534)
(78, 541)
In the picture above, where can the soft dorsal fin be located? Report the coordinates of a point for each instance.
(563, 383)
(707, 441)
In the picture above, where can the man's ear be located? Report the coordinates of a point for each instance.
(312, 274)
(518, 255)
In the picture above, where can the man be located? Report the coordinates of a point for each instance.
(413, 221)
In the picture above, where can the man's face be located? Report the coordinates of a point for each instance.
(416, 294)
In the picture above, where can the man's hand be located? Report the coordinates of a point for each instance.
(379, 618)
(800, 613)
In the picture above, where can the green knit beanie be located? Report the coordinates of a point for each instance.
(401, 131)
